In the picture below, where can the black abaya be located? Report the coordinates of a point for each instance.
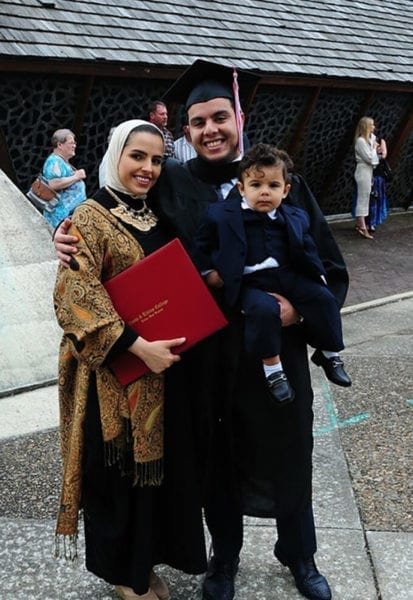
(129, 529)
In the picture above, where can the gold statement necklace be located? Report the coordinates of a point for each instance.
(142, 219)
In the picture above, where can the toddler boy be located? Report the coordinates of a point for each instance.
(261, 247)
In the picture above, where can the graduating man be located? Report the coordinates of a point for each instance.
(258, 460)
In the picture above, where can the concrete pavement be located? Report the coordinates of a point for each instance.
(363, 557)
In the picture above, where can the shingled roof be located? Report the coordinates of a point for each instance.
(366, 40)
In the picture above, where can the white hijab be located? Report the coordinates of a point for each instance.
(115, 149)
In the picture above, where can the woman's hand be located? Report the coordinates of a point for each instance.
(383, 149)
(156, 355)
(289, 316)
(63, 243)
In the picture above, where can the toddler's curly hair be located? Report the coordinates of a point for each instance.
(265, 155)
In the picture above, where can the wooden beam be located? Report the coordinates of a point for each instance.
(99, 68)
(82, 104)
(297, 138)
(337, 83)
(344, 145)
(103, 68)
(6, 164)
(403, 131)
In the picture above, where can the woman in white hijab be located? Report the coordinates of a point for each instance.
(113, 455)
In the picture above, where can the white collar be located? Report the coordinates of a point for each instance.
(244, 205)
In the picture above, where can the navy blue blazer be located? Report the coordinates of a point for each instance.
(220, 243)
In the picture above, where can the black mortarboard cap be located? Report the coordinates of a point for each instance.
(203, 81)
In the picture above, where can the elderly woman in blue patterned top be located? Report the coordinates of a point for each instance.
(63, 177)
(366, 159)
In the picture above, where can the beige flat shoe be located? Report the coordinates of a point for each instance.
(159, 586)
(127, 593)
(364, 233)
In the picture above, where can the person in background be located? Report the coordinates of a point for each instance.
(365, 149)
(378, 198)
(263, 245)
(102, 165)
(63, 177)
(132, 477)
(184, 150)
(158, 115)
(257, 463)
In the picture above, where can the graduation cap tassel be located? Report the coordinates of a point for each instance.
(238, 111)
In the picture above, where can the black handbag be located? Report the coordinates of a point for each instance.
(383, 169)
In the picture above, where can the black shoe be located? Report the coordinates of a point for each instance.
(219, 580)
(280, 388)
(309, 581)
(333, 368)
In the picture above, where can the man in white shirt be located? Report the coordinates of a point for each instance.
(184, 150)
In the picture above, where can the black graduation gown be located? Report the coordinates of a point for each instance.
(260, 454)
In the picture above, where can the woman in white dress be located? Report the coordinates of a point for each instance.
(366, 159)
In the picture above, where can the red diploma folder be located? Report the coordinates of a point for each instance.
(162, 297)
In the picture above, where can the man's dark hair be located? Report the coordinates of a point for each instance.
(265, 155)
(154, 105)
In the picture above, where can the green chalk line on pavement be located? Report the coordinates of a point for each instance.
(334, 422)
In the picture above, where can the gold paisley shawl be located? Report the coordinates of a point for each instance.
(91, 327)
